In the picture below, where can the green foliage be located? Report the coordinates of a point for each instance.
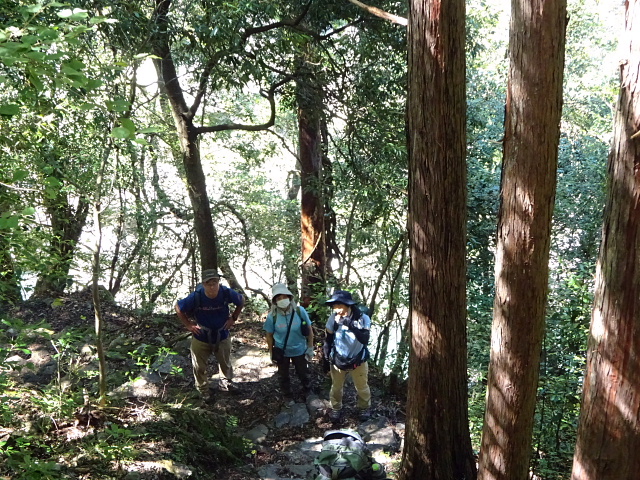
(48, 70)
(24, 455)
(204, 439)
(39, 419)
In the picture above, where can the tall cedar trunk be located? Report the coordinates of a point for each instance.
(189, 144)
(312, 200)
(608, 442)
(437, 442)
(532, 132)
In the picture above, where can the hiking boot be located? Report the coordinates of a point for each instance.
(204, 395)
(335, 416)
(226, 385)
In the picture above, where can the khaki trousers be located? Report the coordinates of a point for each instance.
(360, 376)
(200, 353)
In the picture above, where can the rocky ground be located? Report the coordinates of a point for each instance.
(286, 434)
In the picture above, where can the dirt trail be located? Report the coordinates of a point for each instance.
(286, 433)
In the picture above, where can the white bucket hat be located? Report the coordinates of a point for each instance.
(280, 289)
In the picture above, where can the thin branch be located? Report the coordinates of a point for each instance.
(338, 30)
(270, 96)
(284, 23)
(204, 80)
(284, 143)
(19, 189)
(383, 271)
(261, 293)
(381, 13)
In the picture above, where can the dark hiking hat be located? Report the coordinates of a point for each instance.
(341, 296)
(210, 274)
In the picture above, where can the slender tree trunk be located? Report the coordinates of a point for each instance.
(381, 351)
(9, 286)
(189, 145)
(437, 441)
(532, 132)
(66, 227)
(397, 370)
(95, 284)
(608, 442)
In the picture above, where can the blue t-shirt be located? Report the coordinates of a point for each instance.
(212, 313)
(345, 343)
(296, 343)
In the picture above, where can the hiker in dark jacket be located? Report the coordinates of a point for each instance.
(289, 338)
(345, 352)
(205, 313)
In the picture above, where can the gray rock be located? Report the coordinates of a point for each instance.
(143, 387)
(15, 360)
(150, 377)
(40, 356)
(269, 472)
(165, 365)
(282, 419)
(301, 471)
(294, 414)
(257, 434)
(305, 451)
(183, 346)
(299, 415)
(316, 404)
(380, 436)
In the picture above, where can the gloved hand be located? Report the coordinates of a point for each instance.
(309, 354)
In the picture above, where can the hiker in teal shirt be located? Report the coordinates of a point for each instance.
(289, 338)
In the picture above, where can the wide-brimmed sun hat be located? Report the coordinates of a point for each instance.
(341, 296)
(280, 289)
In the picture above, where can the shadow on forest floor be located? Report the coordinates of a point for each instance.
(155, 425)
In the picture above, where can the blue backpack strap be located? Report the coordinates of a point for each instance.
(197, 300)
(226, 294)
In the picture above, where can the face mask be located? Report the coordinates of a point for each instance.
(284, 303)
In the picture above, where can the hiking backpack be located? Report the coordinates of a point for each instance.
(345, 456)
(226, 296)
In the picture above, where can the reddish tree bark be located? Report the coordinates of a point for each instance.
(437, 441)
(608, 442)
(312, 211)
(532, 132)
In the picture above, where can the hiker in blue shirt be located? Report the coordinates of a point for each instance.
(289, 338)
(346, 353)
(205, 313)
